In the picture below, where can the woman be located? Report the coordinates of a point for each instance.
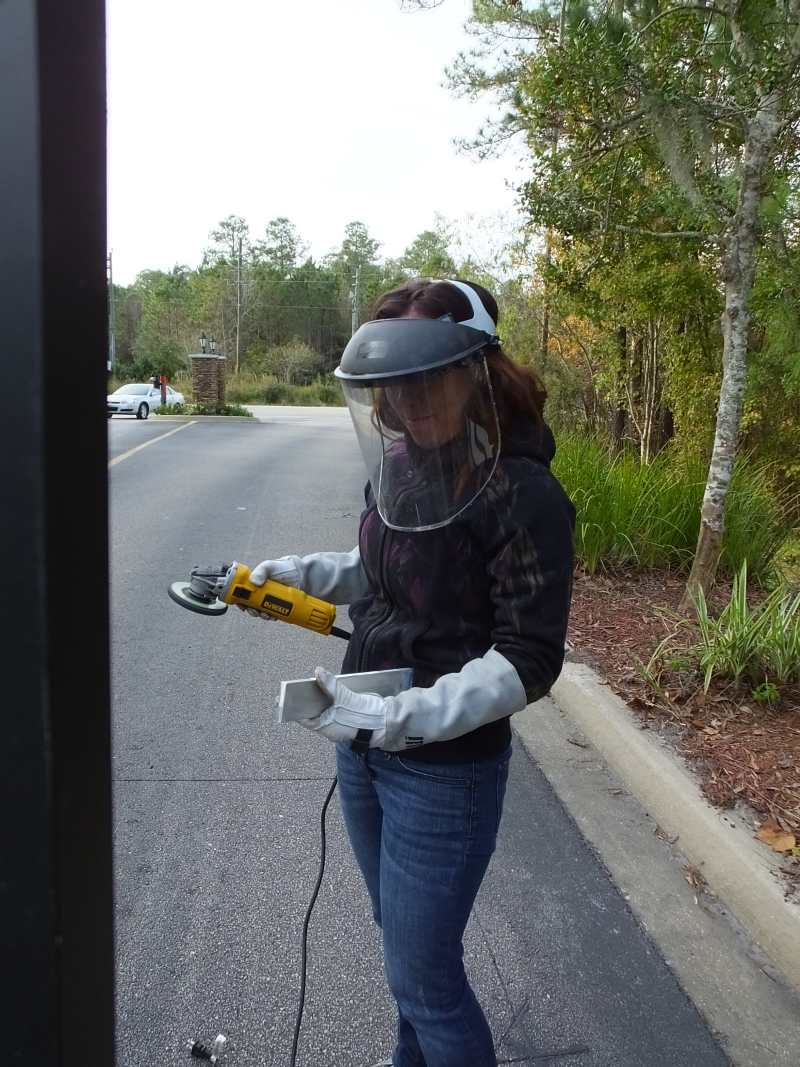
(463, 571)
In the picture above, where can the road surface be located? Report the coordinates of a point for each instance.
(216, 808)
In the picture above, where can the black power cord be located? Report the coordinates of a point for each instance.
(335, 632)
(573, 1050)
(306, 921)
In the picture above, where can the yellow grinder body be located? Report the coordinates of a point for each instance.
(277, 600)
(210, 590)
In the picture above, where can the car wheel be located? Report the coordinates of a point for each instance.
(109, 414)
(143, 411)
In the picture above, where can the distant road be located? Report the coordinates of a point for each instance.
(316, 416)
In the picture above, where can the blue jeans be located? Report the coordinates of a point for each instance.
(423, 835)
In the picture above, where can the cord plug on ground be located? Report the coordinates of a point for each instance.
(199, 1051)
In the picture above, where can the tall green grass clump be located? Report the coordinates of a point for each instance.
(761, 644)
(630, 514)
(249, 387)
(320, 393)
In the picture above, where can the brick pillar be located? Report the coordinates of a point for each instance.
(205, 378)
(221, 368)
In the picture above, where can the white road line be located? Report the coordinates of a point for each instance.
(152, 441)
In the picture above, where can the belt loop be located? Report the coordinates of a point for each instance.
(361, 742)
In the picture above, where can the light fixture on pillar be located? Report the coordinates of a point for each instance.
(203, 342)
(213, 345)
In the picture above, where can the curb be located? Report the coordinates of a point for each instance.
(204, 418)
(738, 869)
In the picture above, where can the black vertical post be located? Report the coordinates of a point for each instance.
(56, 910)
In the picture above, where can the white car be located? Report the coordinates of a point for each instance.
(139, 399)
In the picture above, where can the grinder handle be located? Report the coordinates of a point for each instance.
(277, 600)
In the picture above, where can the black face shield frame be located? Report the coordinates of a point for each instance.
(389, 348)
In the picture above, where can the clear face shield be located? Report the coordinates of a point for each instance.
(430, 439)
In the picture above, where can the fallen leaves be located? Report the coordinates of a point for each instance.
(664, 836)
(774, 835)
(696, 879)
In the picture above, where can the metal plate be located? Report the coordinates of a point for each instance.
(182, 594)
(302, 698)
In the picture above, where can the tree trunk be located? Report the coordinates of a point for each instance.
(548, 239)
(665, 429)
(618, 428)
(651, 391)
(544, 348)
(620, 411)
(738, 270)
(545, 342)
(633, 388)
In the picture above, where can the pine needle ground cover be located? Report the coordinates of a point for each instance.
(744, 750)
(721, 683)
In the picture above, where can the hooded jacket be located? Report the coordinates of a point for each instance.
(499, 576)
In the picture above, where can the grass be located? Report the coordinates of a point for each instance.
(203, 409)
(249, 388)
(757, 644)
(649, 516)
(787, 561)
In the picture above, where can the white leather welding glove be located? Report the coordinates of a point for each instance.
(337, 577)
(484, 690)
(348, 713)
(280, 570)
(284, 570)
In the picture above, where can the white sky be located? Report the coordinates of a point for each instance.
(325, 111)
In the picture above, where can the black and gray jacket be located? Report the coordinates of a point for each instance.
(478, 608)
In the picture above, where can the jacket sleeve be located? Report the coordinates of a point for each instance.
(338, 577)
(530, 560)
(485, 689)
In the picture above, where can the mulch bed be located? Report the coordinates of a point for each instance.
(741, 750)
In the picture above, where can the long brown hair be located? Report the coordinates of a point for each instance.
(518, 391)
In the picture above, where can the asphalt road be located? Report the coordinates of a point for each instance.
(216, 808)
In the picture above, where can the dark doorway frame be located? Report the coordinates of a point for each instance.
(56, 893)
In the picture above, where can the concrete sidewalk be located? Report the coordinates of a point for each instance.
(734, 946)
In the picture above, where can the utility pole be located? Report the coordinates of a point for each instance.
(355, 297)
(238, 301)
(112, 334)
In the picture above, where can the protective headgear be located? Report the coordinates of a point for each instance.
(420, 396)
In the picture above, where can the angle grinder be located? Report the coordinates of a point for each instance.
(212, 589)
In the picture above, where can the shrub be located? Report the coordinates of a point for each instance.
(203, 409)
(293, 362)
(214, 409)
(760, 644)
(648, 515)
(245, 387)
(250, 388)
